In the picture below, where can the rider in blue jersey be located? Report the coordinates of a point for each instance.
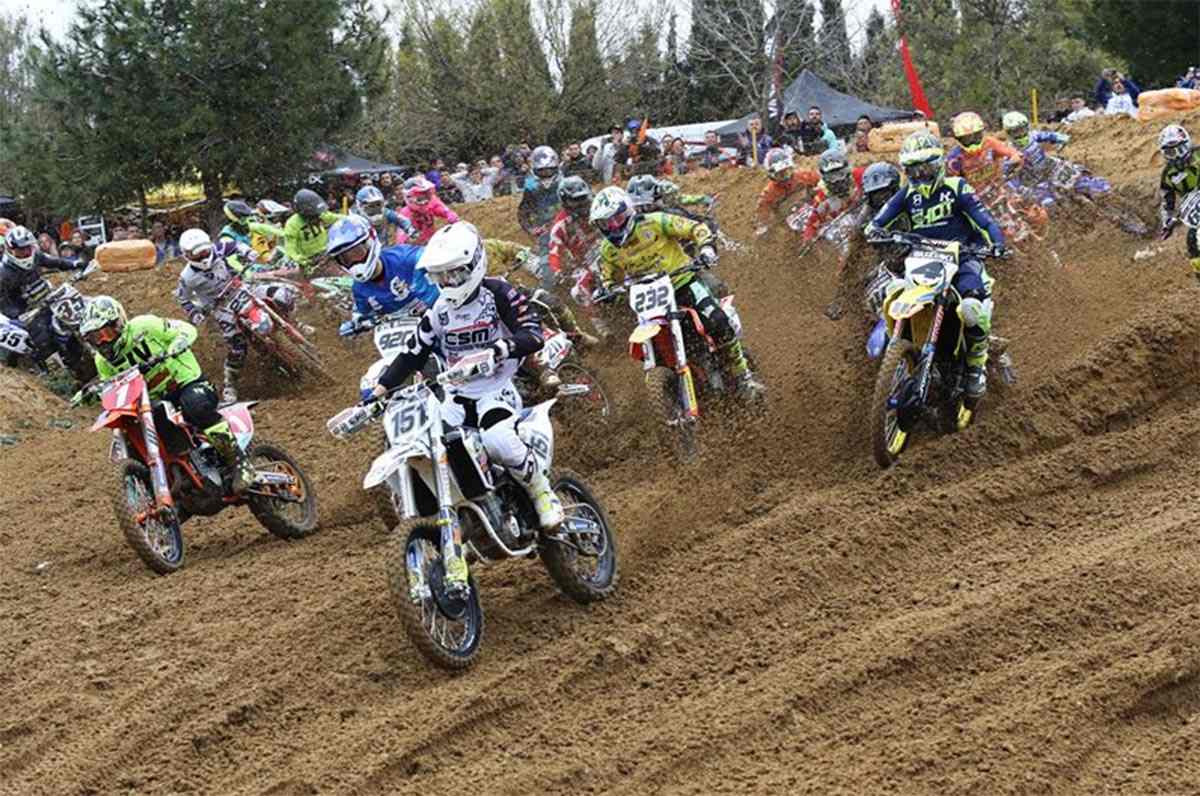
(386, 280)
(945, 208)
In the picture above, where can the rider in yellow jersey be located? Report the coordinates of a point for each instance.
(636, 244)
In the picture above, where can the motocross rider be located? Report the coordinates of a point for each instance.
(1180, 176)
(268, 230)
(572, 235)
(306, 231)
(783, 180)
(945, 208)
(652, 194)
(370, 204)
(23, 287)
(422, 208)
(540, 204)
(205, 287)
(386, 279)
(637, 244)
(476, 313)
(120, 345)
(978, 157)
(840, 191)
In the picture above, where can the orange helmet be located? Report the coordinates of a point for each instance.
(968, 130)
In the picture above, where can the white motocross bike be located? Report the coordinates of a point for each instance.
(444, 480)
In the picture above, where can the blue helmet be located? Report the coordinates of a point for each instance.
(355, 247)
(369, 202)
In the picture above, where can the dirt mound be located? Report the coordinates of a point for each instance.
(1011, 609)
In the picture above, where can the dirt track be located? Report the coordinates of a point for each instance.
(1012, 610)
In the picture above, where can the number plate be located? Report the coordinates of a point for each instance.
(240, 301)
(406, 420)
(66, 305)
(651, 300)
(1189, 209)
(14, 338)
(555, 350)
(393, 336)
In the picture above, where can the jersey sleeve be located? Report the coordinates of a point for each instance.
(518, 314)
(413, 358)
(888, 214)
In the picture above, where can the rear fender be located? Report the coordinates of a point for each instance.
(698, 325)
(241, 422)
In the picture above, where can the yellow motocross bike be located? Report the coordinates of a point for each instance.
(922, 373)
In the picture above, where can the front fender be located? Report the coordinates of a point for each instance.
(910, 301)
(389, 462)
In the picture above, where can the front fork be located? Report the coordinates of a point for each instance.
(687, 385)
(158, 471)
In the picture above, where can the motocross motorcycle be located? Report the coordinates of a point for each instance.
(66, 305)
(391, 334)
(1018, 215)
(679, 356)
(923, 370)
(167, 472)
(444, 480)
(1065, 182)
(1000, 361)
(270, 334)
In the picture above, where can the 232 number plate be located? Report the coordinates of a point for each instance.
(651, 300)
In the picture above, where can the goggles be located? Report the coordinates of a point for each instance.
(418, 198)
(1177, 152)
(102, 336)
(21, 252)
(971, 141)
(545, 173)
(200, 255)
(455, 277)
(348, 258)
(1020, 133)
(923, 172)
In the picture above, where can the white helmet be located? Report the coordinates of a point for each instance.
(543, 162)
(613, 214)
(353, 245)
(456, 261)
(1174, 141)
(197, 248)
(20, 248)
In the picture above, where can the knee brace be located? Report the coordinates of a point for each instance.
(715, 320)
(976, 312)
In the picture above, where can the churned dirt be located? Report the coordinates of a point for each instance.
(1012, 610)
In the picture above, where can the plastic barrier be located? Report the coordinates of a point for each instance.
(120, 256)
(890, 137)
(1166, 102)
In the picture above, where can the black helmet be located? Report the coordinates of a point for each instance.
(880, 182)
(309, 204)
(575, 195)
(238, 212)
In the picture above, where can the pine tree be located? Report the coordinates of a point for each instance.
(1159, 40)
(834, 61)
(584, 100)
(796, 18)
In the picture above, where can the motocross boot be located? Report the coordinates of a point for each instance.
(748, 386)
(1196, 268)
(571, 325)
(455, 567)
(546, 377)
(549, 507)
(223, 441)
(229, 393)
(977, 358)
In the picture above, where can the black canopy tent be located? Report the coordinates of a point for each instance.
(840, 111)
(331, 161)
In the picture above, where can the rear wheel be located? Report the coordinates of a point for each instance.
(291, 511)
(446, 631)
(663, 387)
(158, 541)
(582, 560)
(888, 440)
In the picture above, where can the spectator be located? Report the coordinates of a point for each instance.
(118, 233)
(677, 157)
(605, 159)
(164, 248)
(638, 154)
(434, 175)
(590, 154)
(789, 135)
(712, 155)
(47, 245)
(1079, 111)
(815, 135)
(862, 132)
(754, 133)
(385, 183)
(1105, 88)
(81, 248)
(1120, 101)
(1190, 79)
(665, 143)
(573, 162)
(476, 184)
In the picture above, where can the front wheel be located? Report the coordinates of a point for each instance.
(157, 540)
(288, 511)
(447, 632)
(662, 384)
(888, 440)
(581, 556)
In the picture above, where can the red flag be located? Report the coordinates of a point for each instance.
(910, 70)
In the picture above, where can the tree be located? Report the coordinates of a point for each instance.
(153, 90)
(834, 63)
(1158, 40)
(731, 69)
(796, 19)
(584, 99)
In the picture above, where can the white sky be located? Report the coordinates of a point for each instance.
(56, 14)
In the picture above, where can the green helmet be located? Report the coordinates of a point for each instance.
(1016, 126)
(924, 162)
(102, 324)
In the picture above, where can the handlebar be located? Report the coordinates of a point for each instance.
(609, 294)
(910, 239)
(354, 328)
